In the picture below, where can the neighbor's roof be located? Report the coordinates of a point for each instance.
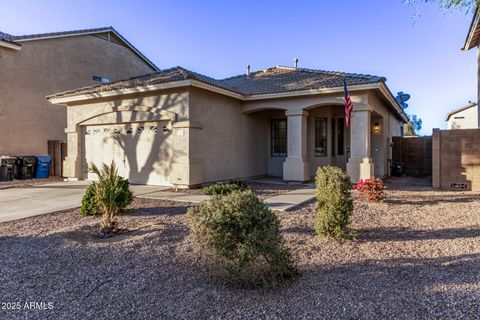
(468, 106)
(473, 34)
(40, 36)
(272, 80)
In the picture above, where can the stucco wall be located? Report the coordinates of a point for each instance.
(170, 106)
(465, 119)
(230, 145)
(389, 126)
(43, 67)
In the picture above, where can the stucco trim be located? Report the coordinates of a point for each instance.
(10, 45)
(187, 124)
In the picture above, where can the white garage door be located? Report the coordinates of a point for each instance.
(137, 149)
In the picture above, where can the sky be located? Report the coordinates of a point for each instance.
(420, 56)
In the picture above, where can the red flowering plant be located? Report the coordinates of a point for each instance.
(373, 188)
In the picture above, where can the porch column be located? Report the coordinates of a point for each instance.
(360, 164)
(296, 166)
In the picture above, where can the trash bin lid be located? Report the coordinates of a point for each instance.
(44, 158)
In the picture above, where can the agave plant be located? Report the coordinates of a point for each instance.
(112, 195)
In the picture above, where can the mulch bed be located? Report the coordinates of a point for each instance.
(415, 256)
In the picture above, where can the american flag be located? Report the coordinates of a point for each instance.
(348, 104)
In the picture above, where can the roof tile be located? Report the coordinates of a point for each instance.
(273, 80)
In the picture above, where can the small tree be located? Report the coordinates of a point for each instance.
(111, 194)
(412, 127)
(241, 237)
(335, 204)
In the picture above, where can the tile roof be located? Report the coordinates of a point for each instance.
(272, 80)
(13, 39)
(286, 79)
(163, 76)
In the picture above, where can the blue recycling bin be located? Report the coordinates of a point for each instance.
(43, 166)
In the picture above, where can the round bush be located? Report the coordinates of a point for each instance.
(335, 205)
(241, 239)
(224, 188)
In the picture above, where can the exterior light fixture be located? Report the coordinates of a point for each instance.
(376, 127)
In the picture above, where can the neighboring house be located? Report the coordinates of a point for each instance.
(463, 118)
(33, 66)
(178, 127)
(471, 42)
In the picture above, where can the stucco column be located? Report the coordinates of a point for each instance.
(360, 163)
(296, 166)
(72, 164)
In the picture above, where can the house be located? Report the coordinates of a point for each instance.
(472, 41)
(178, 127)
(33, 66)
(463, 118)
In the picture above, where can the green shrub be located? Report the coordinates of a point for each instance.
(89, 202)
(335, 203)
(224, 188)
(240, 237)
(112, 194)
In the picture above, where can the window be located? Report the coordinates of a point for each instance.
(279, 138)
(334, 134)
(341, 137)
(321, 137)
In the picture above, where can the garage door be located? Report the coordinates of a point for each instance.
(137, 149)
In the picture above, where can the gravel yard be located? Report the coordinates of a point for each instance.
(416, 256)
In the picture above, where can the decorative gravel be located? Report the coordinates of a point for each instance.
(263, 190)
(416, 256)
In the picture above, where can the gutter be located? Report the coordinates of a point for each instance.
(10, 45)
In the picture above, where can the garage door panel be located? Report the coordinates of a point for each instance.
(135, 148)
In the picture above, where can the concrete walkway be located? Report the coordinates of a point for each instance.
(283, 202)
(23, 202)
(291, 200)
(18, 203)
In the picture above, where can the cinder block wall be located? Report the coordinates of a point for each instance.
(456, 159)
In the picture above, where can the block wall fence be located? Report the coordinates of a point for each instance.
(456, 159)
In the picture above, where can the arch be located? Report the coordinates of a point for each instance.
(263, 108)
(125, 116)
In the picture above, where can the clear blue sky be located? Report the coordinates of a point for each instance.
(219, 38)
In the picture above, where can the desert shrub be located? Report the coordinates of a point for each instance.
(89, 202)
(112, 195)
(224, 188)
(240, 237)
(374, 189)
(335, 203)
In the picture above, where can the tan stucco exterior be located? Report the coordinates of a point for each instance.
(215, 137)
(45, 66)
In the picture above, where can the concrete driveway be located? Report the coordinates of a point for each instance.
(17, 203)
